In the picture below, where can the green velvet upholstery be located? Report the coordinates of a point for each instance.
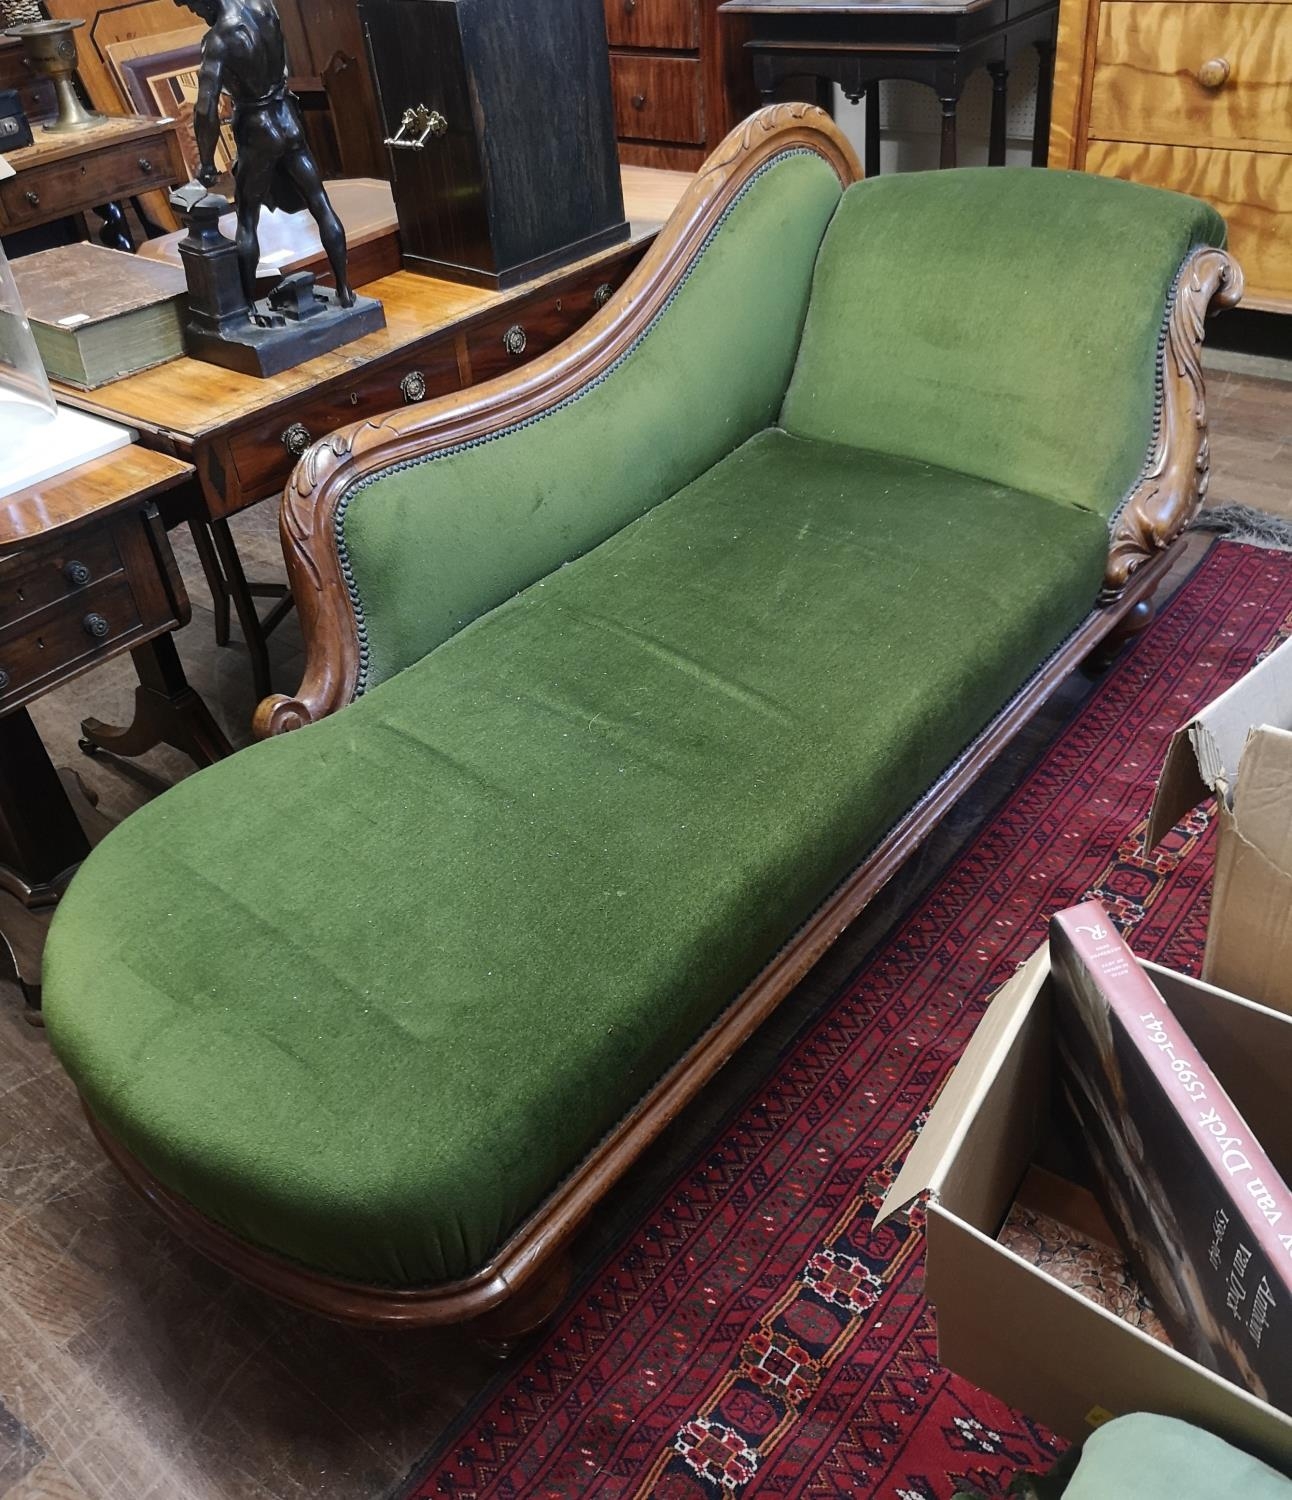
(436, 543)
(1003, 322)
(412, 963)
(1146, 1457)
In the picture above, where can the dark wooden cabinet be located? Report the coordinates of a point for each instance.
(500, 127)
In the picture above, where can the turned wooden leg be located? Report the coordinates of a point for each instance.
(999, 108)
(947, 156)
(1134, 622)
(508, 1325)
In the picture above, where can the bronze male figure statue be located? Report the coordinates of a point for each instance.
(243, 56)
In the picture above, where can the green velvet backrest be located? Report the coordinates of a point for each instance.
(1000, 321)
(434, 543)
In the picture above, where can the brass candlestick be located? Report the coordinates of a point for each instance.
(51, 50)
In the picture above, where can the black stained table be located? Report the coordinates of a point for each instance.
(941, 43)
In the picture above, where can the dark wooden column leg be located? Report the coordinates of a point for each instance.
(872, 129)
(1132, 624)
(503, 1330)
(215, 579)
(999, 108)
(245, 605)
(947, 156)
(41, 838)
(1044, 91)
(167, 712)
(114, 231)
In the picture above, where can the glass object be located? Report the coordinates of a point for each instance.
(25, 397)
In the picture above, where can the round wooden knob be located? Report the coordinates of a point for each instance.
(639, 101)
(145, 166)
(629, 7)
(514, 340)
(76, 573)
(95, 625)
(296, 439)
(1214, 74)
(32, 198)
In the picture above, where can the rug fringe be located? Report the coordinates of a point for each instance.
(1244, 523)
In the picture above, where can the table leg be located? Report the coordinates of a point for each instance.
(114, 232)
(1044, 89)
(872, 129)
(245, 605)
(167, 712)
(215, 579)
(947, 156)
(999, 106)
(41, 838)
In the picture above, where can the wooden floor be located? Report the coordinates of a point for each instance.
(132, 1370)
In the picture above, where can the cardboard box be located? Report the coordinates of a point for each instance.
(1010, 1327)
(1240, 748)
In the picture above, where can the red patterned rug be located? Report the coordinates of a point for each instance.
(751, 1335)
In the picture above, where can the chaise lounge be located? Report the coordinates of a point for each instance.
(630, 678)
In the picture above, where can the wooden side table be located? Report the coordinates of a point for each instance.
(86, 572)
(60, 175)
(859, 43)
(244, 435)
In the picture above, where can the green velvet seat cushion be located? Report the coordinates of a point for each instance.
(1147, 1457)
(367, 992)
(1004, 322)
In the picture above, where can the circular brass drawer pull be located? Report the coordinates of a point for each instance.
(603, 294)
(4, 680)
(32, 198)
(413, 387)
(514, 340)
(95, 625)
(296, 439)
(1214, 74)
(145, 166)
(77, 574)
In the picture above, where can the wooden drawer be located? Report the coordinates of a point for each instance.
(1252, 189)
(671, 24)
(657, 98)
(32, 579)
(66, 637)
(539, 323)
(1147, 84)
(39, 193)
(265, 454)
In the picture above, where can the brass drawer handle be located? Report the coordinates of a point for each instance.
(32, 198)
(427, 122)
(77, 574)
(413, 387)
(514, 340)
(95, 625)
(1215, 73)
(639, 101)
(4, 680)
(296, 439)
(145, 166)
(603, 294)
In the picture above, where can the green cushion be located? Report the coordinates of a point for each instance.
(1145, 1457)
(1004, 322)
(367, 992)
(434, 543)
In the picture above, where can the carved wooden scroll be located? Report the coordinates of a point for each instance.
(1174, 483)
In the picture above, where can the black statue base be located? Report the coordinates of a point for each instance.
(266, 342)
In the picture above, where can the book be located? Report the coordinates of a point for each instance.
(1203, 1214)
(98, 314)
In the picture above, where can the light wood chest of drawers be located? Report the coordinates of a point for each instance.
(1194, 95)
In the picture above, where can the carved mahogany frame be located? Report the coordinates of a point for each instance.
(526, 1277)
